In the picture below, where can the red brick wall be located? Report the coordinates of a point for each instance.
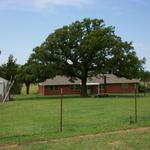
(66, 90)
(118, 88)
(41, 90)
(111, 88)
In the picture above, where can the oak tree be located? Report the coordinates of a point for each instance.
(84, 49)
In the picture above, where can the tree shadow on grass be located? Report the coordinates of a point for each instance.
(39, 97)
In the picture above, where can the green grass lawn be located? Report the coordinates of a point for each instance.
(30, 119)
(132, 140)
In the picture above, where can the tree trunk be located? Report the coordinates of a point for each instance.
(27, 89)
(84, 87)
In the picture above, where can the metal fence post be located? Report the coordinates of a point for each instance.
(61, 110)
(135, 87)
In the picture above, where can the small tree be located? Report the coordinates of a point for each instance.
(27, 76)
(145, 77)
(10, 71)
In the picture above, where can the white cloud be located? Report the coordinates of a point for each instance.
(41, 4)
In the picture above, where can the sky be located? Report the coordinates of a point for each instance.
(25, 24)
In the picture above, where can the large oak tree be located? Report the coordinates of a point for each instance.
(84, 49)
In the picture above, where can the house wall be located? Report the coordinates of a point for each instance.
(121, 88)
(41, 90)
(1, 90)
(111, 88)
(45, 90)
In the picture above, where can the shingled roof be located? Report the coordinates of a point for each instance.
(111, 79)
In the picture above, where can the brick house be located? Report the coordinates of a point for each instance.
(95, 85)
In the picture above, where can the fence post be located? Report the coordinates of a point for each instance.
(61, 110)
(135, 96)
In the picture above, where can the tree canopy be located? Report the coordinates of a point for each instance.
(145, 76)
(84, 49)
(9, 69)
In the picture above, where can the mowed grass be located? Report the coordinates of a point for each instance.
(37, 118)
(130, 140)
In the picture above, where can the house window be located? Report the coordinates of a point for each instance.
(124, 85)
(75, 87)
(52, 87)
(56, 87)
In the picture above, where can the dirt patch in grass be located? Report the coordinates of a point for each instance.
(115, 143)
(103, 134)
(9, 146)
